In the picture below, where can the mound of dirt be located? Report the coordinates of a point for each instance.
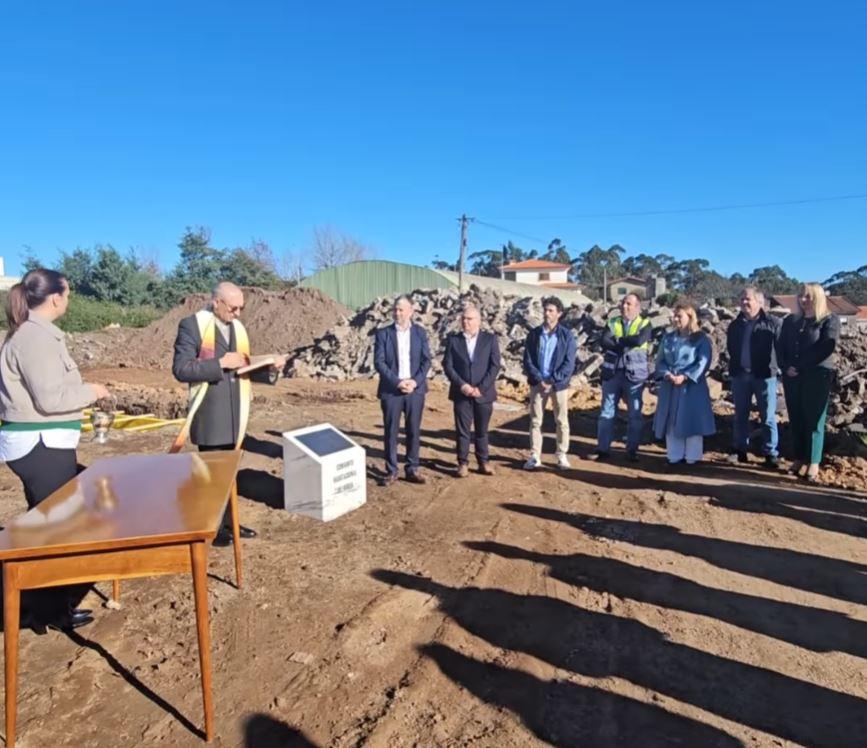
(277, 322)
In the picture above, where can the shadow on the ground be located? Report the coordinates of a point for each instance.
(811, 628)
(825, 510)
(258, 485)
(568, 714)
(264, 447)
(127, 676)
(833, 577)
(262, 731)
(600, 645)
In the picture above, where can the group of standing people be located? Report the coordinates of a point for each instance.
(760, 348)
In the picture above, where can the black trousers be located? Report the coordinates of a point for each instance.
(472, 418)
(42, 471)
(411, 407)
(227, 516)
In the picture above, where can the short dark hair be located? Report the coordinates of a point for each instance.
(553, 301)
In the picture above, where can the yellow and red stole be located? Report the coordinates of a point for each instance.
(208, 333)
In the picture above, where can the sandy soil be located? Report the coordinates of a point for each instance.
(607, 605)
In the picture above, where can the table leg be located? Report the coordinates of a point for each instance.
(115, 590)
(11, 621)
(236, 532)
(198, 557)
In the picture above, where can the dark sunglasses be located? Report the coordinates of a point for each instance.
(232, 309)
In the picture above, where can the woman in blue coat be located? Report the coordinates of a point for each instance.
(683, 412)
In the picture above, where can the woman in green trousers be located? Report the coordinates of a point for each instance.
(808, 362)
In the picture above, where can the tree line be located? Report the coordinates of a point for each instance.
(690, 277)
(104, 274)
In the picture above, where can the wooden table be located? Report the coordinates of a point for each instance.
(123, 517)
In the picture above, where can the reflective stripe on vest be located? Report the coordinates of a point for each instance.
(636, 326)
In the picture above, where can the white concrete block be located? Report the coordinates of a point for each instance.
(324, 472)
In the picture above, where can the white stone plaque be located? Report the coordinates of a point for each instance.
(324, 472)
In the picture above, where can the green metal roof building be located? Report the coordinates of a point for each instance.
(357, 284)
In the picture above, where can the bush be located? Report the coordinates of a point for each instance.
(86, 314)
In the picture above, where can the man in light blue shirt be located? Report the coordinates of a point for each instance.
(549, 363)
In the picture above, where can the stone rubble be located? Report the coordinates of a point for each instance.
(346, 351)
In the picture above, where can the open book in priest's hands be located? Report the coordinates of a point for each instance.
(259, 362)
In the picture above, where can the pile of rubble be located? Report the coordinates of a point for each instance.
(346, 351)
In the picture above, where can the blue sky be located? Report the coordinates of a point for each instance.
(123, 123)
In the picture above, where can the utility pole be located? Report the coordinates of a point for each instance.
(464, 220)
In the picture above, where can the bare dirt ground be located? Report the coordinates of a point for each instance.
(607, 605)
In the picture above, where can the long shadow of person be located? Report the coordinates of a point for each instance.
(264, 447)
(812, 628)
(570, 714)
(258, 485)
(262, 731)
(842, 514)
(844, 580)
(601, 645)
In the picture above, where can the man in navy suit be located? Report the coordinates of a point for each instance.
(401, 355)
(471, 363)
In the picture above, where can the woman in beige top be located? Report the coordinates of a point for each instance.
(41, 398)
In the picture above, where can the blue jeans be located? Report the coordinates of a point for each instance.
(744, 388)
(612, 390)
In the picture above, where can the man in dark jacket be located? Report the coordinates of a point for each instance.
(402, 359)
(471, 362)
(752, 342)
(625, 369)
(209, 347)
(549, 363)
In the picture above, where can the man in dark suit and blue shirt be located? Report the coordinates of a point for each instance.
(471, 363)
(549, 363)
(401, 356)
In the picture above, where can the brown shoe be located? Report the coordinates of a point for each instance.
(485, 468)
(387, 480)
(416, 477)
(463, 471)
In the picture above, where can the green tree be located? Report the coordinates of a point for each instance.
(687, 274)
(246, 267)
(772, 279)
(438, 264)
(30, 261)
(596, 265)
(199, 267)
(485, 262)
(714, 287)
(511, 252)
(78, 269)
(557, 252)
(849, 283)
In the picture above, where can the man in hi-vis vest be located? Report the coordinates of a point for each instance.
(211, 344)
(626, 342)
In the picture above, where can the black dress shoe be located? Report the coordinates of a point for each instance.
(599, 455)
(222, 538)
(244, 532)
(80, 612)
(772, 463)
(70, 621)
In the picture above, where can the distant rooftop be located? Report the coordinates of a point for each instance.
(536, 265)
(840, 305)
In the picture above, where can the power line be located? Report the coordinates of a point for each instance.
(509, 231)
(674, 211)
